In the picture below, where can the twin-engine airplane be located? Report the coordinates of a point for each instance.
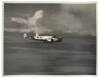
(44, 38)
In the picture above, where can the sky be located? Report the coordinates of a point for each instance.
(64, 18)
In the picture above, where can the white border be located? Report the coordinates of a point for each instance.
(45, 1)
(50, 1)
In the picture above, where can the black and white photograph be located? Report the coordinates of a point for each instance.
(49, 39)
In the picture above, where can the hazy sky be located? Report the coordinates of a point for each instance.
(65, 18)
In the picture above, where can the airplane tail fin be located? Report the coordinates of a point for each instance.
(36, 34)
(25, 35)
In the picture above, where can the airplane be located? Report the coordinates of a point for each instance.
(44, 38)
